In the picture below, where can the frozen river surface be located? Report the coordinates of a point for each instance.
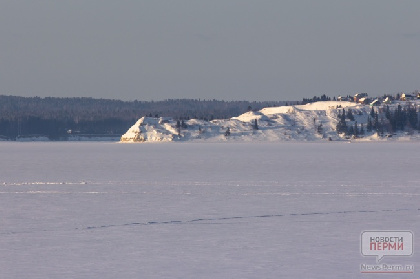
(185, 210)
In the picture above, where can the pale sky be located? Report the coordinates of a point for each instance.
(213, 49)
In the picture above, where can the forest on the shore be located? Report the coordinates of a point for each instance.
(57, 118)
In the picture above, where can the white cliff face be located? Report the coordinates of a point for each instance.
(150, 129)
(311, 122)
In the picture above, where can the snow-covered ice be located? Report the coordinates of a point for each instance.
(203, 210)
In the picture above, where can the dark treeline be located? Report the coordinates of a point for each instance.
(56, 117)
(316, 99)
(402, 118)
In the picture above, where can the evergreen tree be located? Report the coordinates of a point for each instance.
(350, 115)
(381, 127)
(227, 133)
(341, 125)
(376, 122)
(362, 130)
(319, 129)
(400, 119)
(418, 120)
(178, 127)
(393, 121)
(372, 113)
(387, 113)
(183, 125)
(255, 126)
(356, 131)
(369, 127)
(412, 117)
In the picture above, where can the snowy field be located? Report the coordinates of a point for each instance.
(203, 210)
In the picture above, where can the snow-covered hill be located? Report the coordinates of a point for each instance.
(311, 122)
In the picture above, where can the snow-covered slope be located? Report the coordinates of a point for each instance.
(311, 122)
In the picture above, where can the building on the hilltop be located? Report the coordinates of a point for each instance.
(387, 100)
(342, 98)
(406, 97)
(363, 101)
(359, 96)
(375, 103)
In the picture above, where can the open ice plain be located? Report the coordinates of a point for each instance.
(202, 210)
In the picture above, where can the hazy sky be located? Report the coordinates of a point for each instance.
(231, 50)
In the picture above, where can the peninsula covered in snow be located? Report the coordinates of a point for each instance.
(318, 121)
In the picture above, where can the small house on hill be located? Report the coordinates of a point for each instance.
(387, 100)
(406, 97)
(359, 96)
(363, 101)
(375, 103)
